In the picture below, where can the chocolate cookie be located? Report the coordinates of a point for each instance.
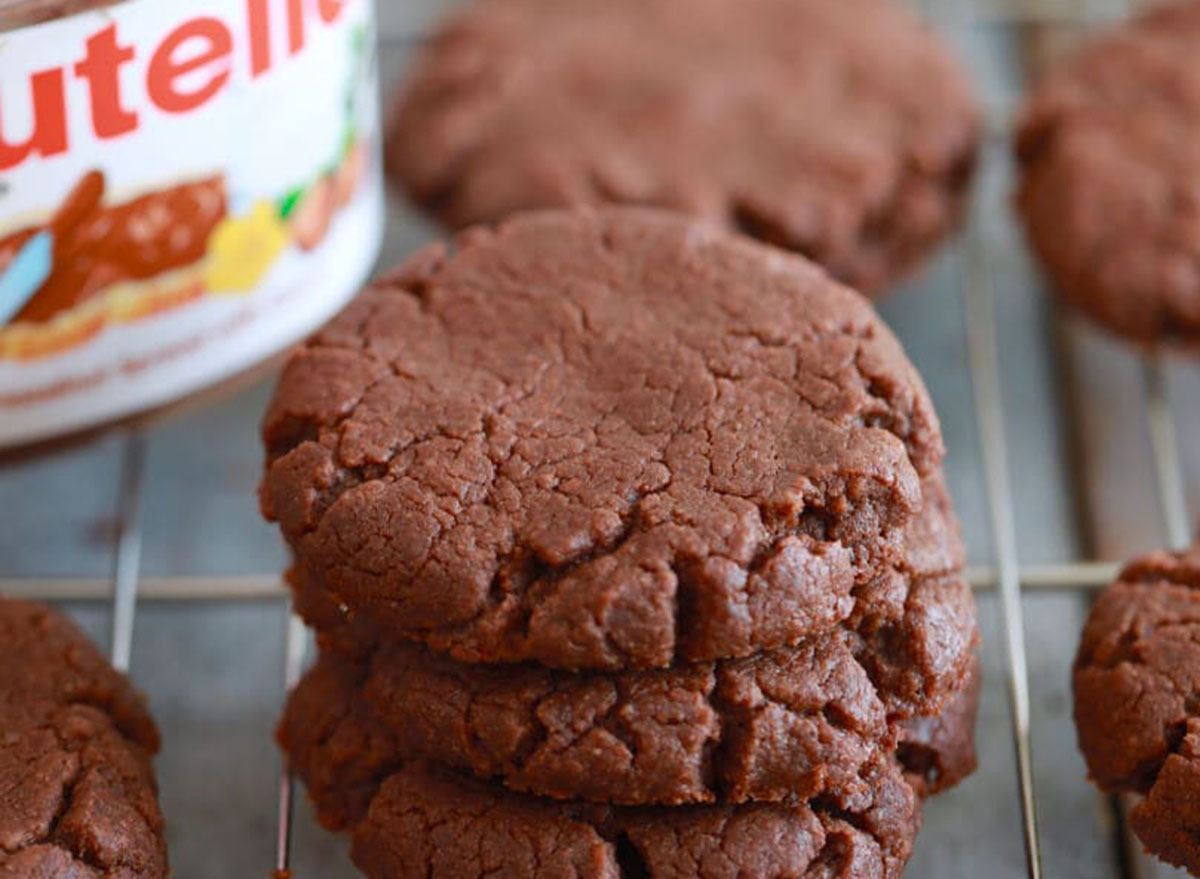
(797, 720)
(1136, 676)
(843, 131)
(429, 822)
(938, 751)
(891, 610)
(79, 796)
(1108, 149)
(432, 822)
(801, 721)
(600, 439)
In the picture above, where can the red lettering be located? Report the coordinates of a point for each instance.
(100, 67)
(49, 135)
(295, 16)
(330, 10)
(258, 16)
(165, 71)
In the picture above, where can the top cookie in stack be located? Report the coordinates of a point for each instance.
(606, 506)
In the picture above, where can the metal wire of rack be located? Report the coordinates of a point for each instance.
(1007, 577)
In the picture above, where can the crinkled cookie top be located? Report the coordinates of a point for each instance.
(600, 439)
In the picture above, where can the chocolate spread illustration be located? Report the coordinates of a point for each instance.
(96, 246)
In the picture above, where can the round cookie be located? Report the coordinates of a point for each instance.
(1109, 164)
(1136, 673)
(792, 721)
(429, 822)
(432, 822)
(799, 721)
(894, 603)
(843, 131)
(79, 795)
(600, 439)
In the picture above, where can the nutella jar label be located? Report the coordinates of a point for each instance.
(185, 188)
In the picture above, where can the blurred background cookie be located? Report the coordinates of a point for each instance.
(1109, 148)
(844, 131)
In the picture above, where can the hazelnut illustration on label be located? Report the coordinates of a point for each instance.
(109, 260)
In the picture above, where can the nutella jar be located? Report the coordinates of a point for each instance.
(186, 187)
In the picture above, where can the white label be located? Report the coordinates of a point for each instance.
(185, 188)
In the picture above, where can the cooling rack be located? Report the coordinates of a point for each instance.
(979, 267)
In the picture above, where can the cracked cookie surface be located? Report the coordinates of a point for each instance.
(1108, 144)
(938, 751)
(1137, 699)
(843, 131)
(915, 615)
(795, 721)
(600, 439)
(412, 819)
(79, 796)
(802, 721)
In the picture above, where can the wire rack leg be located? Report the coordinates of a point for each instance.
(295, 646)
(1161, 425)
(979, 300)
(128, 558)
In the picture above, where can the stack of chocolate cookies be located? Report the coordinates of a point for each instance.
(629, 554)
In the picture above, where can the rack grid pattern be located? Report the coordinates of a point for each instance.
(1006, 577)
